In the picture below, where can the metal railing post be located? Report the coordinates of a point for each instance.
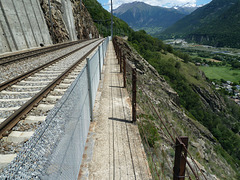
(99, 55)
(120, 61)
(118, 54)
(90, 89)
(103, 46)
(115, 48)
(124, 72)
(134, 94)
(180, 159)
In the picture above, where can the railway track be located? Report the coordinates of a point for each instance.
(4, 60)
(12, 70)
(26, 100)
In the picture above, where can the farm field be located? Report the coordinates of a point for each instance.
(222, 72)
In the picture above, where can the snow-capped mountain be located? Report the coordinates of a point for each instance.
(152, 19)
(186, 8)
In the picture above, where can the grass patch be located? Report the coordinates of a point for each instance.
(222, 72)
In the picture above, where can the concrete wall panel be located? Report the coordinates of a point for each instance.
(69, 19)
(26, 26)
(37, 21)
(33, 21)
(41, 21)
(22, 25)
(6, 30)
(4, 44)
(14, 24)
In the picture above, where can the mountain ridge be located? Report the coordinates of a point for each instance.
(202, 26)
(140, 15)
(102, 19)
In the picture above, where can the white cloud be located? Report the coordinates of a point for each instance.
(162, 3)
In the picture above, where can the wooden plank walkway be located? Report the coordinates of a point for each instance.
(114, 149)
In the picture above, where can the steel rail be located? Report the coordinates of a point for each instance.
(12, 120)
(23, 55)
(12, 81)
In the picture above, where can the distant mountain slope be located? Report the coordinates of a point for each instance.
(225, 31)
(102, 19)
(216, 23)
(152, 19)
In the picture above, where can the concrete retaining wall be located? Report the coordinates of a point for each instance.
(69, 19)
(22, 25)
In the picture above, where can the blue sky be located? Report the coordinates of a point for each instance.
(163, 3)
(200, 2)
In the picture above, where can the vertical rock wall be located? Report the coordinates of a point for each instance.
(83, 21)
(65, 26)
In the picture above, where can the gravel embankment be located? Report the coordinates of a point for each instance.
(32, 166)
(15, 69)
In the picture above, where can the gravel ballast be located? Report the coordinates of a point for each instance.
(32, 160)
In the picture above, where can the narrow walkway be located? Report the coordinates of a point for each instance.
(117, 151)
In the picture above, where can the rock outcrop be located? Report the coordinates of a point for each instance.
(84, 26)
(211, 100)
(83, 21)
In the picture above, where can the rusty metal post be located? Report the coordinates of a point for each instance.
(114, 44)
(121, 61)
(115, 48)
(124, 72)
(180, 159)
(118, 53)
(134, 94)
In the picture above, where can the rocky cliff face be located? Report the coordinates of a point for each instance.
(202, 144)
(83, 21)
(210, 100)
(84, 26)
